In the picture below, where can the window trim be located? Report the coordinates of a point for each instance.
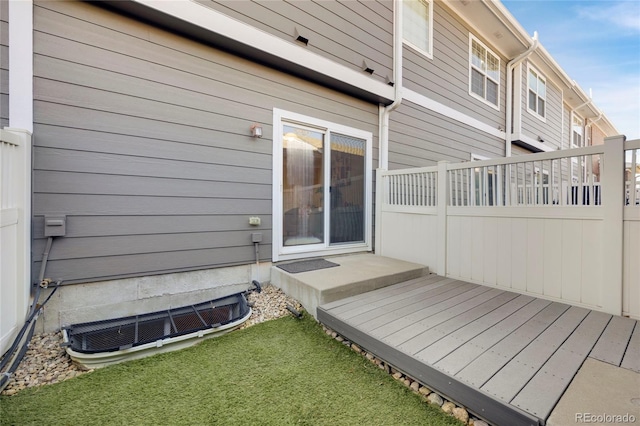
(542, 77)
(429, 53)
(574, 118)
(473, 38)
(279, 251)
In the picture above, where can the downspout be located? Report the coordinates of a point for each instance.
(590, 124)
(571, 117)
(383, 160)
(509, 114)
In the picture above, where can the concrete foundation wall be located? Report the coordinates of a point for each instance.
(101, 300)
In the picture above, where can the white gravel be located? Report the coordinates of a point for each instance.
(46, 362)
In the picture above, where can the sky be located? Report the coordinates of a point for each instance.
(597, 43)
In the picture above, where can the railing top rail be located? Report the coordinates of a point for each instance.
(541, 156)
(633, 144)
(429, 169)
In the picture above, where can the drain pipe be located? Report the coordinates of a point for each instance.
(22, 341)
(590, 125)
(384, 112)
(45, 258)
(574, 110)
(509, 114)
(29, 326)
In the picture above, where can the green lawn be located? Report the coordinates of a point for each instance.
(281, 372)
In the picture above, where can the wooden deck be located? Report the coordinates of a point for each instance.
(507, 357)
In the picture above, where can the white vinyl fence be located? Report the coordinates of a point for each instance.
(15, 225)
(561, 225)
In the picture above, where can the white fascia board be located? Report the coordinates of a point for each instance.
(223, 25)
(430, 104)
(21, 64)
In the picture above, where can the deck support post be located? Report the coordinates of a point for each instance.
(612, 227)
(441, 200)
(380, 194)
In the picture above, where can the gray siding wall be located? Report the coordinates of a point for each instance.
(347, 32)
(141, 137)
(551, 129)
(445, 78)
(419, 137)
(4, 63)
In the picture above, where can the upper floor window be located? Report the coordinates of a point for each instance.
(484, 73)
(577, 132)
(417, 25)
(537, 93)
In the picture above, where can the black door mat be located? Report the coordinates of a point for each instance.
(307, 265)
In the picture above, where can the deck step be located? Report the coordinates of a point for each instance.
(357, 274)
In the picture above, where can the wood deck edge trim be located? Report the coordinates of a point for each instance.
(478, 402)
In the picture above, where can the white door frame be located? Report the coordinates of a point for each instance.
(297, 252)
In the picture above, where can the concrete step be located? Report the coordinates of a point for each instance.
(358, 273)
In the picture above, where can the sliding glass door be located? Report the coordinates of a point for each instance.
(323, 199)
(347, 185)
(303, 201)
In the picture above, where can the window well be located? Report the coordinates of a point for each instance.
(101, 343)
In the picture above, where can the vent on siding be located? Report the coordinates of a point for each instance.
(299, 37)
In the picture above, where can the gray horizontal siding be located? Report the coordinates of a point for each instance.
(419, 137)
(135, 265)
(105, 226)
(141, 137)
(445, 78)
(550, 130)
(346, 32)
(4, 63)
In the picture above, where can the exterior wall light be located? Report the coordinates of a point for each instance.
(256, 130)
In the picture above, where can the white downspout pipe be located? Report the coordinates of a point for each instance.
(590, 125)
(571, 118)
(383, 160)
(509, 114)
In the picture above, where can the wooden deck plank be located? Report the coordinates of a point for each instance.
(395, 299)
(511, 378)
(461, 357)
(395, 320)
(467, 332)
(613, 343)
(404, 306)
(376, 294)
(631, 360)
(442, 303)
(490, 362)
(547, 386)
(441, 329)
(496, 411)
(507, 356)
(445, 311)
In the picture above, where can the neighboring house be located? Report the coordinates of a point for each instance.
(146, 115)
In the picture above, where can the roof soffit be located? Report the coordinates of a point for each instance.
(499, 30)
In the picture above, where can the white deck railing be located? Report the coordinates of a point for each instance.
(551, 224)
(15, 193)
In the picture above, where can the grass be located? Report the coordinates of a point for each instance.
(281, 372)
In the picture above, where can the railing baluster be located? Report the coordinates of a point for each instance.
(592, 189)
(499, 186)
(633, 180)
(451, 187)
(580, 180)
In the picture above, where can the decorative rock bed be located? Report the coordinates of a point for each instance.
(427, 394)
(46, 362)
